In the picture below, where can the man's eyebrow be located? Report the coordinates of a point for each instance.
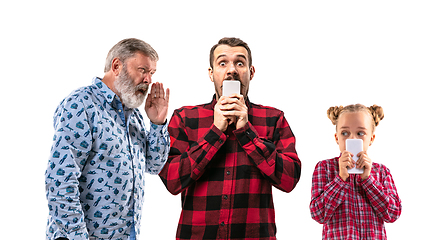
(146, 69)
(238, 55)
(220, 56)
(242, 56)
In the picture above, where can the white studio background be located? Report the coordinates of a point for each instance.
(308, 55)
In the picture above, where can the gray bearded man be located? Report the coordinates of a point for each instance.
(101, 149)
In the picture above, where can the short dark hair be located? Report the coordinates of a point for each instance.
(232, 42)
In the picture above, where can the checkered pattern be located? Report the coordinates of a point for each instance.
(354, 209)
(226, 178)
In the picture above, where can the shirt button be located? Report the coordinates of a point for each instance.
(119, 110)
(228, 172)
(222, 224)
(225, 197)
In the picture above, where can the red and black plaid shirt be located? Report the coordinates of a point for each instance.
(354, 209)
(226, 178)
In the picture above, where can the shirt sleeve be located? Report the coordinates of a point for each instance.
(187, 162)
(158, 145)
(71, 147)
(383, 196)
(276, 158)
(327, 194)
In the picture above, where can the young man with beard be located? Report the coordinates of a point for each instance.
(101, 149)
(226, 155)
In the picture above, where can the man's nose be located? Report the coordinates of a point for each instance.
(232, 68)
(147, 78)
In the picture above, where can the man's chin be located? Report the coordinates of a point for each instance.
(134, 103)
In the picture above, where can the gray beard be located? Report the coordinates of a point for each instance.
(129, 94)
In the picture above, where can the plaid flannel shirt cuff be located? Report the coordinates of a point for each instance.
(245, 135)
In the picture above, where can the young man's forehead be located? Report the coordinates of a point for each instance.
(228, 50)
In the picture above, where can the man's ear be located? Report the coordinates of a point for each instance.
(116, 66)
(252, 72)
(210, 73)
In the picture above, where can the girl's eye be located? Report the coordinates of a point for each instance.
(344, 133)
(361, 133)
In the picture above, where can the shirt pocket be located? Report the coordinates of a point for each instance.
(248, 172)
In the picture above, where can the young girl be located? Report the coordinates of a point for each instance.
(354, 206)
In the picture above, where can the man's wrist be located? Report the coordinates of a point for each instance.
(160, 124)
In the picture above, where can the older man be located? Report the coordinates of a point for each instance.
(101, 148)
(227, 154)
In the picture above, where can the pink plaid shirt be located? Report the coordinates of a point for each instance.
(354, 209)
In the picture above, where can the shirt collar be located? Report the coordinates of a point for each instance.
(105, 91)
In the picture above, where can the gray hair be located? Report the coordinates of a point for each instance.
(127, 48)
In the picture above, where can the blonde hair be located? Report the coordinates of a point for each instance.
(376, 112)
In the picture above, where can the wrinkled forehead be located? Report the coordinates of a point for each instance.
(141, 60)
(228, 51)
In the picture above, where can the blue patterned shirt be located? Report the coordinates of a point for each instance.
(95, 175)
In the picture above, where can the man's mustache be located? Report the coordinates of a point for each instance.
(235, 77)
(142, 86)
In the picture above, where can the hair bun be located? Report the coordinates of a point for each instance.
(377, 113)
(333, 113)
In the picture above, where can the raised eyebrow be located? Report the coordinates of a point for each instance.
(220, 56)
(239, 55)
(242, 56)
